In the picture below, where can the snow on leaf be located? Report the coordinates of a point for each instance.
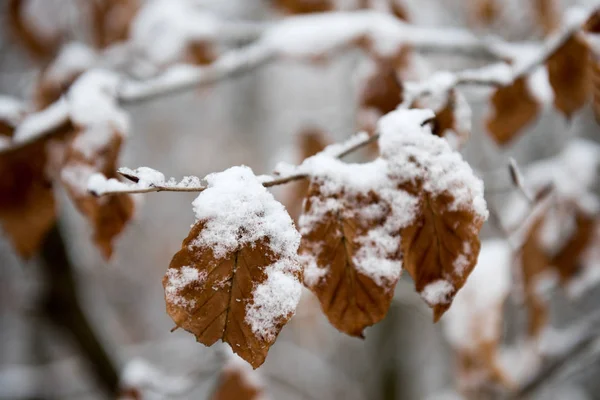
(440, 244)
(514, 107)
(568, 75)
(244, 249)
(350, 250)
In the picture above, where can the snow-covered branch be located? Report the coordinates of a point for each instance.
(148, 180)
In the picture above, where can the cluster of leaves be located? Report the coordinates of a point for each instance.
(418, 206)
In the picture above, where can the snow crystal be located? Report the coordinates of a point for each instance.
(92, 101)
(276, 298)
(475, 314)
(43, 121)
(312, 272)
(437, 292)
(235, 202)
(419, 155)
(179, 279)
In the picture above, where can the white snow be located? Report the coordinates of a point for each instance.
(276, 298)
(92, 101)
(97, 184)
(437, 292)
(417, 155)
(43, 121)
(179, 279)
(238, 210)
(11, 110)
(163, 29)
(74, 58)
(476, 312)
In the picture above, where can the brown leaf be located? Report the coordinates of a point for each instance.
(111, 20)
(568, 75)
(214, 305)
(200, 53)
(304, 6)
(547, 15)
(27, 206)
(331, 246)
(449, 117)
(440, 249)
(513, 108)
(568, 258)
(594, 83)
(484, 12)
(108, 215)
(235, 385)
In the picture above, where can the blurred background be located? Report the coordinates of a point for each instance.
(256, 119)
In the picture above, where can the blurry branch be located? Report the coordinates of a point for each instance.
(267, 48)
(588, 337)
(61, 306)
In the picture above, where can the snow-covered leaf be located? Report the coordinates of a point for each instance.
(237, 276)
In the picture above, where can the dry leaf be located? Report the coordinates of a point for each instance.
(594, 81)
(237, 276)
(514, 108)
(200, 53)
(336, 245)
(214, 305)
(111, 20)
(568, 75)
(440, 241)
(440, 249)
(452, 117)
(236, 384)
(27, 205)
(568, 258)
(108, 215)
(484, 12)
(547, 15)
(304, 6)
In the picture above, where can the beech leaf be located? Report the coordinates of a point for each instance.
(237, 276)
(568, 75)
(341, 245)
(440, 243)
(514, 107)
